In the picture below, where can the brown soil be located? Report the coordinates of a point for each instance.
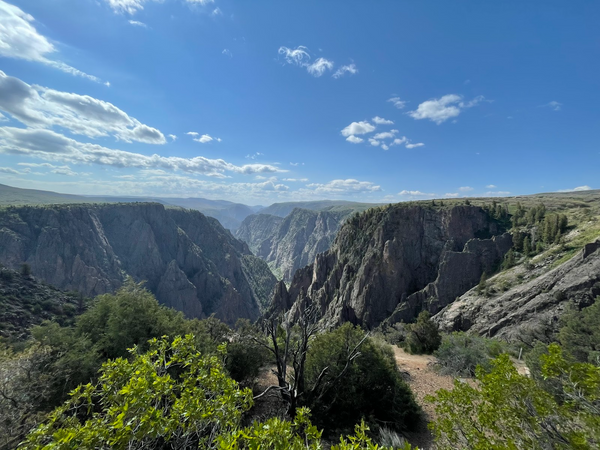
(423, 380)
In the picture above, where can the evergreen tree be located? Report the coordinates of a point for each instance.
(527, 245)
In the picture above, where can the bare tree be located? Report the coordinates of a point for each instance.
(289, 341)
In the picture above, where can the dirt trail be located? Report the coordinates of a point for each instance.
(423, 380)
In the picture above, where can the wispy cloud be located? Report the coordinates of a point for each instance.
(397, 102)
(349, 186)
(41, 107)
(51, 146)
(227, 52)
(19, 39)
(137, 23)
(465, 189)
(319, 67)
(343, 70)
(554, 105)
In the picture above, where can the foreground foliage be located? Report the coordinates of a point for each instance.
(511, 411)
(168, 397)
(173, 397)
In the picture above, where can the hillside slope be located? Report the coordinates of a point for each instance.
(188, 260)
(25, 302)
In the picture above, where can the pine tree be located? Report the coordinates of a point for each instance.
(527, 245)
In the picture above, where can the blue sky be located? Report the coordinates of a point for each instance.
(258, 102)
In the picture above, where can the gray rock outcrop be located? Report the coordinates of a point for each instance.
(187, 259)
(532, 308)
(390, 263)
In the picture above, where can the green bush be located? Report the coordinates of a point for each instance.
(371, 386)
(461, 353)
(580, 333)
(423, 335)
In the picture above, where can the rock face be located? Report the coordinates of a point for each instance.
(292, 242)
(392, 262)
(531, 307)
(187, 259)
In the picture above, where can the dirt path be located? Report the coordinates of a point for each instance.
(423, 380)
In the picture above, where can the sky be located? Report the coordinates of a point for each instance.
(260, 102)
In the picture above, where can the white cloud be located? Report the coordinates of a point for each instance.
(295, 164)
(133, 6)
(3, 118)
(386, 134)
(60, 170)
(491, 186)
(173, 137)
(51, 146)
(385, 147)
(419, 144)
(354, 140)
(216, 12)
(496, 193)
(20, 40)
(11, 171)
(577, 189)
(465, 189)
(298, 56)
(554, 105)
(381, 121)
(341, 187)
(137, 23)
(444, 108)
(319, 67)
(399, 141)
(415, 194)
(227, 52)
(255, 155)
(351, 69)
(363, 127)
(41, 107)
(192, 133)
(397, 102)
(374, 142)
(205, 138)
(451, 194)
(296, 180)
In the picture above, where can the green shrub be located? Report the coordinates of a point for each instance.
(460, 353)
(580, 333)
(370, 388)
(423, 335)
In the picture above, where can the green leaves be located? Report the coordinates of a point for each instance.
(170, 394)
(508, 410)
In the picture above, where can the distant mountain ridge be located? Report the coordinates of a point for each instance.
(189, 260)
(230, 214)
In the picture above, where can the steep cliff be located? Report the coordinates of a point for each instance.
(292, 242)
(187, 259)
(391, 262)
(532, 308)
